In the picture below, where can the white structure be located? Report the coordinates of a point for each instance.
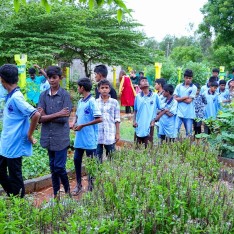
(77, 71)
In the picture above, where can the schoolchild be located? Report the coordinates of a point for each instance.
(88, 115)
(184, 94)
(55, 107)
(167, 115)
(212, 107)
(224, 95)
(17, 132)
(100, 74)
(206, 86)
(108, 129)
(145, 109)
(35, 83)
(159, 84)
(231, 76)
(199, 104)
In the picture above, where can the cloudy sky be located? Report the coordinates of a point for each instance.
(162, 17)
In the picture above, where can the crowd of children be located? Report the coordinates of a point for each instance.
(97, 120)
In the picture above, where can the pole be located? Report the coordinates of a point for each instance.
(21, 61)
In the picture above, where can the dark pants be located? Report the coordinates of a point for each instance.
(145, 140)
(109, 150)
(128, 109)
(78, 163)
(197, 127)
(12, 182)
(207, 130)
(58, 170)
(167, 139)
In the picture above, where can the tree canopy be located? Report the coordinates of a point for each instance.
(71, 31)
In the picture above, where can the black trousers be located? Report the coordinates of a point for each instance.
(12, 181)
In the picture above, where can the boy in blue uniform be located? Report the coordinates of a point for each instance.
(184, 94)
(88, 116)
(167, 115)
(212, 107)
(35, 83)
(108, 129)
(55, 107)
(145, 110)
(224, 95)
(16, 137)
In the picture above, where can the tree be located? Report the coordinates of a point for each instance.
(70, 32)
(121, 7)
(182, 55)
(219, 19)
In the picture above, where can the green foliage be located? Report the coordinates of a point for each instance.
(218, 17)
(223, 55)
(201, 72)
(222, 137)
(72, 31)
(171, 189)
(181, 55)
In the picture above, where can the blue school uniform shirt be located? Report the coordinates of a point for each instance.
(167, 123)
(44, 86)
(185, 110)
(223, 96)
(33, 87)
(212, 106)
(146, 109)
(87, 111)
(204, 88)
(3, 94)
(14, 140)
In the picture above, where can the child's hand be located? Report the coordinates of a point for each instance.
(65, 112)
(135, 124)
(32, 139)
(117, 137)
(77, 127)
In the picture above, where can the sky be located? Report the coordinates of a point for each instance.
(162, 17)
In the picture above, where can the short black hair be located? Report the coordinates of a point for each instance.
(214, 84)
(142, 78)
(9, 73)
(169, 88)
(86, 83)
(32, 70)
(197, 85)
(222, 82)
(102, 69)
(212, 79)
(54, 71)
(161, 81)
(188, 73)
(104, 82)
(215, 70)
(141, 72)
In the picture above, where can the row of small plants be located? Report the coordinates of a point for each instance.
(173, 188)
(222, 137)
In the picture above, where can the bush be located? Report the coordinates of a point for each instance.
(171, 189)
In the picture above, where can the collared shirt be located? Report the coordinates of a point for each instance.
(185, 110)
(146, 107)
(204, 88)
(14, 139)
(112, 93)
(212, 107)
(87, 111)
(110, 115)
(44, 86)
(224, 96)
(55, 134)
(167, 123)
(33, 88)
(199, 103)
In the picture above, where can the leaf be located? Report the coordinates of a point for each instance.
(119, 15)
(16, 5)
(91, 4)
(100, 2)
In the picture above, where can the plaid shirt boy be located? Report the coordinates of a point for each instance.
(110, 115)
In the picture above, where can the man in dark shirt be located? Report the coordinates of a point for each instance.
(55, 107)
(100, 74)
